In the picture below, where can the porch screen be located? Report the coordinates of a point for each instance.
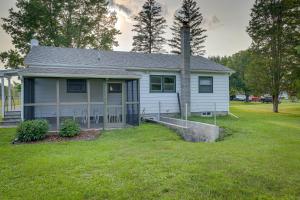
(132, 102)
(28, 98)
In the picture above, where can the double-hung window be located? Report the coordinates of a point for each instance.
(205, 84)
(162, 83)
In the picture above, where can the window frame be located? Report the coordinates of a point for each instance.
(211, 86)
(162, 83)
(116, 92)
(83, 89)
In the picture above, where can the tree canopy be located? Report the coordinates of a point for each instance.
(274, 29)
(68, 23)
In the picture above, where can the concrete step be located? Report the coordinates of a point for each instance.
(12, 112)
(9, 123)
(11, 119)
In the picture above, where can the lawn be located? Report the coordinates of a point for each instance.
(260, 159)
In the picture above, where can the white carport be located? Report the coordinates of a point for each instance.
(7, 74)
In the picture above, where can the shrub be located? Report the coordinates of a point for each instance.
(69, 128)
(32, 130)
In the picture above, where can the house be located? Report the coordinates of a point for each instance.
(107, 89)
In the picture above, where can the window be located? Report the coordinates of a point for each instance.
(205, 84)
(76, 86)
(156, 83)
(159, 83)
(114, 87)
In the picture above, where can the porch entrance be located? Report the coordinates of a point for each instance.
(115, 113)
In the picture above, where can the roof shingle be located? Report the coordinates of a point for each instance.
(74, 57)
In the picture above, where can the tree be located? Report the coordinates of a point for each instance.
(149, 29)
(189, 12)
(274, 29)
(69, 23)
(240, 62)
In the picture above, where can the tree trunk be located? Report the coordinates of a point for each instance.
(275, 103)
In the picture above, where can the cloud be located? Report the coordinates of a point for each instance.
(212, 23)
(120, 7)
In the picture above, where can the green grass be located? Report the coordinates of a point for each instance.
(259, 160)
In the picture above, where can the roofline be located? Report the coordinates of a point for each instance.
(130, 68)
(57, 75)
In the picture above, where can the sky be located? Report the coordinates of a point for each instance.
(225, 21)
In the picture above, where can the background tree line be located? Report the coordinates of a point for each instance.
(271, 65)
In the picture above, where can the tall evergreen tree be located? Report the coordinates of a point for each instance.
(68, 23)
(149, 29)
(189, 12)
(274, 29)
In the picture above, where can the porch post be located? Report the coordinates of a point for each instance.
(138, 98)
(22, 98)
(123, 103)
(89, 103)
(9, 94)
(105, 104)
(57, 104)
(2, 96)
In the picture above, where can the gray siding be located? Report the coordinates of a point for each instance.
(149, 101)
(200, 102)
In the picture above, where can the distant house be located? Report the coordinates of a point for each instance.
(104, 89)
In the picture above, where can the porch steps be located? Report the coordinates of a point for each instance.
(11, 118)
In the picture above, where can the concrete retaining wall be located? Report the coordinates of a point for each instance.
(190, 130)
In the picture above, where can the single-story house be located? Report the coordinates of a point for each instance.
(104, 89)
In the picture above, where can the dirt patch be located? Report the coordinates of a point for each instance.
(54, 137)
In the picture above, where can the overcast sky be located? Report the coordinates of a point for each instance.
(225, 20)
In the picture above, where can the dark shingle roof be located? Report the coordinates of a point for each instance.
(72, 57)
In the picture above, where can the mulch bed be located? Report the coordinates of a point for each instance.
(54, 137)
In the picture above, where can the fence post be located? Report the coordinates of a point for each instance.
(186, 115)
(215, 116)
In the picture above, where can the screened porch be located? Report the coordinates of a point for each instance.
(94, 103)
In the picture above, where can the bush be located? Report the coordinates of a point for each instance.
(32, 130)
(69, 128)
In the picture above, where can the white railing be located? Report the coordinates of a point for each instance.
(114, 114)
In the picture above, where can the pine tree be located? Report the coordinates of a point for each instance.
(274, 29)
(149, 29)
(190, 13)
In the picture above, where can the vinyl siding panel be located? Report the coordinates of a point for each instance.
(202, 102)
(149, 101)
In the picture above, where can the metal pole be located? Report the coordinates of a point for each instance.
(9, 94)
(186, 115)
(2, 96)
(215, 116)
(22, 98)
(89, 104)
(159, 111)
(57, 105)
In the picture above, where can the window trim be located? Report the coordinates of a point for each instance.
(212, 84)
(162, 82)
(114, 92)
(82, 91)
